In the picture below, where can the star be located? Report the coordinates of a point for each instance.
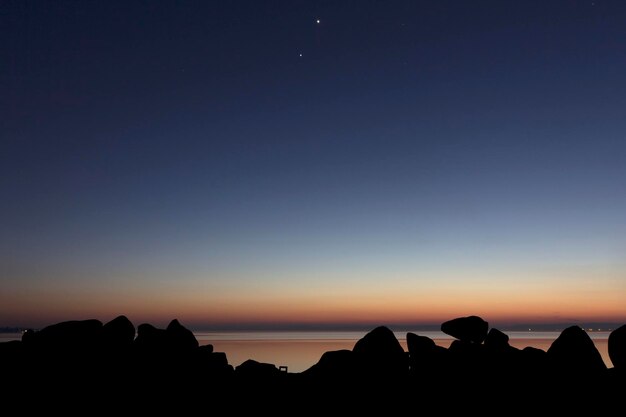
(300, 54)
(318, 21)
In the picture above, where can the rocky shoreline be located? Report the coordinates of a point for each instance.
(88, 360)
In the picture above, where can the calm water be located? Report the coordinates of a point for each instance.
(300, 350)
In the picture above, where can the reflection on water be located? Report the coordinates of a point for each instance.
(300, 350)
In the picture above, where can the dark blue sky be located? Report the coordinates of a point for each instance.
(241, 144)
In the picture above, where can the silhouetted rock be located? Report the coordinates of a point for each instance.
(68, 337)
(423, 352)
(179, 337)
(533, 368)
(501, 360)
(175, 339)
(71, 350)
(380, 352)
(426, 359)
(149, 338)
(206, 349)
(466, 351)
(119, 332)
(535, 354)
(213, 365)
(168, 363)
(218, 359)
(333, 364)
(419, 345)
(254, 369)
(617, 347)
(117, 350)
(574, 352)
(467, 329)
(496, 339)
(70, 332)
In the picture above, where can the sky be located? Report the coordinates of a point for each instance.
(271, 164)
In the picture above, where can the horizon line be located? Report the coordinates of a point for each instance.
(347, 326)
(529, 326)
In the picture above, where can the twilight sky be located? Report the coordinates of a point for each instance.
(272, 163)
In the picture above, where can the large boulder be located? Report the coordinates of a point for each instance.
(379, 352)
(175, 338)
(151, 339)
(71, 349)
(118, 333)
(426, 359)
(471, 329)
(180, 338)
(617, 347)
(68, 337)
(574, 352)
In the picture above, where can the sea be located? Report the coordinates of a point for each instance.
(299, 350)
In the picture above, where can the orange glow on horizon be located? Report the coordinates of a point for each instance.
(200, 305)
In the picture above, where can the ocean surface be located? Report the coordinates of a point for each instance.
(299, 350)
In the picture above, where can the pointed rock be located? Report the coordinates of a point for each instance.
(574, 352)
(380, 352)
(181, 337)
(118, 332)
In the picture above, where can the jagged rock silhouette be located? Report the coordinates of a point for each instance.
(169, 363)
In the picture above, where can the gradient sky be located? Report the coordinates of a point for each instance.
(238, 163)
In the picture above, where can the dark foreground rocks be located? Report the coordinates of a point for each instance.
(113, 367)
